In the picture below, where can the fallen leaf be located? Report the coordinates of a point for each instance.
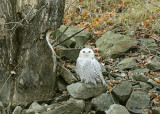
(157, 80)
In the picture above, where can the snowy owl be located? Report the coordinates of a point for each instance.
(88, 68)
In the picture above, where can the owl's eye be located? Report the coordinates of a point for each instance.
(83, 51)
(89, 52)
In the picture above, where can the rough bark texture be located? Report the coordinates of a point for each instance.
(26, 51)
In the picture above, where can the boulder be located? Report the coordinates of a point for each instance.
(102, 102)
(123, 91)
(113, 44)
(84, 90)
(72, 106)
(127, 63)
(117, 109)
(137, 101)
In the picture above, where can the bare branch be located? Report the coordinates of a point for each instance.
(72, 36)
(64, 30)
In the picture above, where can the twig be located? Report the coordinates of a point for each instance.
(64, 31)
(16, 23)
(72, 35)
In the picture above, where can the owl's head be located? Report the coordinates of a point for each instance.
(86, 53)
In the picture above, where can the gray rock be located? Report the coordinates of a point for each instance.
(154, 65)
(152, 82)
(35, 107)
(66, 74)
(61, 85)
(78, 40)
(117, 109)
(123, 91)
(155, 90)
(156, 110)
(145, 86)
(112, 44)
(70, 53)
(140, 77)
(102, 102)
(17, 110)
(103, 68)
(136, 87)
(72, 106)
(85, 91)
(63, 97)
(72, 67)
(127, 63)
(30, 111)
(140, 70)
(149, 44)
(137, 101)
(88, 106)
(2, 109)
(1, 105)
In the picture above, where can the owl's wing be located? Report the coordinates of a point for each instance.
(79, 65)
(85, 70)
(98, 71)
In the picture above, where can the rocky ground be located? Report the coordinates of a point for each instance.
(132, 75)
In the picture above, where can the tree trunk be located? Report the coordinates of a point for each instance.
(27, 60)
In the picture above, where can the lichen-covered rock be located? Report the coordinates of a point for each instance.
(137, 101)
(123, 91)
(84, 90)
(117, 109)
(102, 102)
(112, 44)
(127, 63)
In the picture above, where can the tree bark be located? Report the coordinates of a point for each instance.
(27, 60)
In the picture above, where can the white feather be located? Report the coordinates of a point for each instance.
(89, 68)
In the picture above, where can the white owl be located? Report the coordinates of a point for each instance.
(88, 68)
